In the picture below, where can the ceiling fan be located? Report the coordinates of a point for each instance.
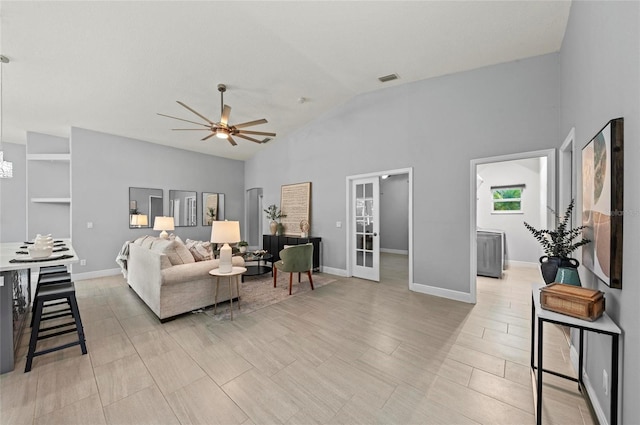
(223, 129)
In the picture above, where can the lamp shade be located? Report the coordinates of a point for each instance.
(139, 220)
(225, 231)
(163, 223)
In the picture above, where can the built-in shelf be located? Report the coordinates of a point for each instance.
(49, 157)
(51, 200)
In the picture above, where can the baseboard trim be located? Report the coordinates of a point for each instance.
(94, 275)
(527, 264)
(593, 399)
(441, 292)
(331, 270)
(591, 395)
(395, 251)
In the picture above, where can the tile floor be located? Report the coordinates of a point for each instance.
(352, 352)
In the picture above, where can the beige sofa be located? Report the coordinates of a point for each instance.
(167, 278)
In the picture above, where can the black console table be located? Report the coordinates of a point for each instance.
(604, 325)
(274, 244)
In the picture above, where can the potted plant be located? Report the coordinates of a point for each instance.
(274, 214)
(558, 244)
(242, 246)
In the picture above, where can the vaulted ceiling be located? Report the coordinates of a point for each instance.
(111, 66)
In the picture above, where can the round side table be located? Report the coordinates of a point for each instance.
(235, 272)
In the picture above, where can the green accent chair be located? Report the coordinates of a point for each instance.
(295, 259)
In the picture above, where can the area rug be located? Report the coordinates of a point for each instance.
(257, 292)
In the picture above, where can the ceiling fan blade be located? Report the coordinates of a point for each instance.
(209, 136)
(226, 111)
(197, 113)
(187, 129)
(182, 119)
(257, 133)
(250, 123)
(233, 142)
(248, 138)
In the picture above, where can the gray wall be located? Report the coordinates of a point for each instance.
(104, 166)
(394, 213)
(600, 76)
(13, 195)
(436, 126)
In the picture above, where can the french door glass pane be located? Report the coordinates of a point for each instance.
(364, 224)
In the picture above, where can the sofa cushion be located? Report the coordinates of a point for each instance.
(183, 252)
(174, 250)
(199, 270)
(200, 250)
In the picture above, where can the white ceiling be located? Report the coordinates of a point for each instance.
(111, 66)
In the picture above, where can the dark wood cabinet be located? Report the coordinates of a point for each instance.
(274, 244)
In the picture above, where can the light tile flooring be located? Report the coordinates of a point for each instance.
(352, 352)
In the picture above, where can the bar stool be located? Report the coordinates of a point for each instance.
(52, 269)
(49, 279)
(55, 292)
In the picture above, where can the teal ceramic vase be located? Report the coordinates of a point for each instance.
(568, 275)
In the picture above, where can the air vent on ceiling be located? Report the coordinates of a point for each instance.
(389, 77)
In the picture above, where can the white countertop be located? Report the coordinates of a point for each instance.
(8, 252)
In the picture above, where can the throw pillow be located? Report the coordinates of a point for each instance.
(183, 252)
(200, 250)
(145, 241)
(168, 248)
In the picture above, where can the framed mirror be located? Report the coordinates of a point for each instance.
(212, 207)
(183, 207)
(144, 206)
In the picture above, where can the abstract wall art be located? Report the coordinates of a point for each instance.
(602, 203)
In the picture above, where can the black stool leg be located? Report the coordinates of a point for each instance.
(76, 316)
(34, 335)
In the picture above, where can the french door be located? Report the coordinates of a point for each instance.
(365, 219)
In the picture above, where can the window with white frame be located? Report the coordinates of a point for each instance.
(507, 199)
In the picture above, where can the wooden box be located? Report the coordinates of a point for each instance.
(575, 301)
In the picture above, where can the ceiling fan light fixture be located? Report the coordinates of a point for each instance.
(223, 130)
(222, 133)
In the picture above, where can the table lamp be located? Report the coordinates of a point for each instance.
(164, 224)
(225, 232)
(139, 220)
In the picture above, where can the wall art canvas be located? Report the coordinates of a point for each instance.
(602, 203)
(295, 203)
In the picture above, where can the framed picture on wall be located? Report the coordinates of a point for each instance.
(602, 202)
(295, 203)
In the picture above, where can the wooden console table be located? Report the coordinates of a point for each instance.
(604, 325)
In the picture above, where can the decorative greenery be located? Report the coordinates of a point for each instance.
(559, 242)
(211, 213)
(243, 243)
(274, 213)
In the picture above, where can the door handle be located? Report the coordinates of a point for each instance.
(375, 234)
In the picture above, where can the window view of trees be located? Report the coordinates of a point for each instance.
(507, 199)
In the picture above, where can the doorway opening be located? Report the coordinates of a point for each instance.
(395, 232)
(253, 218)
(491, 204)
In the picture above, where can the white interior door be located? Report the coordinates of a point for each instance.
(365, 240)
